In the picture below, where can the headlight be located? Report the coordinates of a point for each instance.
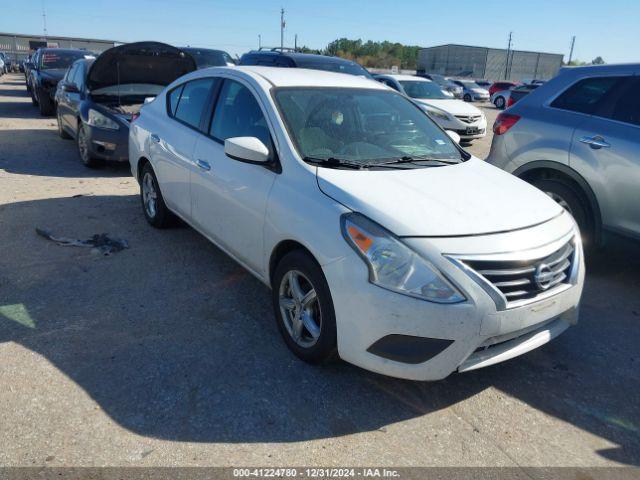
(436, 113)
(393, 265)
(97, 119)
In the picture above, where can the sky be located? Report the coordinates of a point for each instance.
(610, 29)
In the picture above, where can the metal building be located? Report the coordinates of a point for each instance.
(18, 46)
(489, 63)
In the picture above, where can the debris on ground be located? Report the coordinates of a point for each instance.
(100, 242)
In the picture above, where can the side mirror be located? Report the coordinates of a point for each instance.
(246, 149)
(453, 135)
(70, 88)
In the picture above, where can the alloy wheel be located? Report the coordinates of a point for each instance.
(300, 309)
(149, 195)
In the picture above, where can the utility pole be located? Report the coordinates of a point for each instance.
(573, 42)
(282, 25)
(506, 65)
(44, 21)
(259, 41)
(295, 43)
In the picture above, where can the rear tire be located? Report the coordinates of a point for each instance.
(153, 206)
(572, 201)
(34, 100)
(467, 97)
(304, 309)
(499, 103)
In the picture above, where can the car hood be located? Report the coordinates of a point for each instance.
(469, 198)
(142, 62)
(452, 106)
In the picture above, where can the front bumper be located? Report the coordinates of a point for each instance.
(112, 145)
(476, 97)
(467, 131)
(472, 334)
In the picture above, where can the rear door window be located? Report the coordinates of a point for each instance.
(193, 101)
(586, 95)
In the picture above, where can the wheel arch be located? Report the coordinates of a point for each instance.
(283, 248)
(544, 169)
(142, 161)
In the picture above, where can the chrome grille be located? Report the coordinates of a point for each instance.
(526, 279)
(469, 118)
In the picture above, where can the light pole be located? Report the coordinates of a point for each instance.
(282, 25)
(506, 65)
(573, 42)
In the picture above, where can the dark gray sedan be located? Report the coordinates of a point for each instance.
(97, 99)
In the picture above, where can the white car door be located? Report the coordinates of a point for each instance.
(229, 196)
(173, 141)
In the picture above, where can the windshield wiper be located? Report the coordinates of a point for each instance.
(337, 162)
(410, 159)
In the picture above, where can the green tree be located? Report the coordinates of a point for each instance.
(598, 61)
(374, 54)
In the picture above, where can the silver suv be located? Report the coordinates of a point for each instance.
(577, 138)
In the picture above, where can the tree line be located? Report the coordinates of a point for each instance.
(371, 54)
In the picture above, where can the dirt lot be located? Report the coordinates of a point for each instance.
(167, 353)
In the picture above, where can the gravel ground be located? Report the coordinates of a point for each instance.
(167, 354)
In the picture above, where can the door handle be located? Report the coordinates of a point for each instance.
(595, 142)
(154, 138)
(204, 165)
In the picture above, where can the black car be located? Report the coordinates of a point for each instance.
(48, 67)
(206, 57)
(97, 99)
(281, 58)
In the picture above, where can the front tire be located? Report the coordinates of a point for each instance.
(45, 104)
(84, 150)
(575, 203)
(61, 131)
(304, 308)
(153, 206)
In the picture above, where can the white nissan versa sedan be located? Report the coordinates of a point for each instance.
(383, 242)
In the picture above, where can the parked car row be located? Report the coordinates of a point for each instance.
(450, 113)
(382, 240)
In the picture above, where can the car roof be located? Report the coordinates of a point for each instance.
(198, 49)
(400, 77)
(300, 56)
(295, 77)
(51, 49)
(608, 68)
